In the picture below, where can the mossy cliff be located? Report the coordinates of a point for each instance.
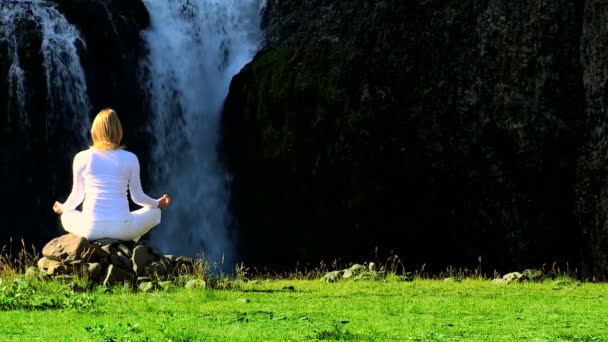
(440, 130)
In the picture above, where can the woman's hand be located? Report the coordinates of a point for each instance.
(164, 201)
(57, 208)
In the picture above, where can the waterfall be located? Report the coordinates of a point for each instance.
(195, 48)
(67, 98)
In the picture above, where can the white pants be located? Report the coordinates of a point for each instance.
(133, 228)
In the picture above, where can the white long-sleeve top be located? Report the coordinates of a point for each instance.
(101, 179)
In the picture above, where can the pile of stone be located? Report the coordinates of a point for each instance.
(517, 277)
(109, 261)
(355, 272)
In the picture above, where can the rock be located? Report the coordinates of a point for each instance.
(142, 257)
(116, 275)
(65, 278)
(533, 274)
(357, 268)
(75, 267)
(106, 242)
(166, 285)
(120, 261)
(93, 271)
(452, 280)
(183, 265)
(159, 268)
(94, 253)
(156, 269)
(243, 300)
(124, 249)
(499, 281)
(182, 279)
(331, 277)
(107, 248)
(372, 267)
(354, 270)
(67, 247)
(171, 258)
(148, 286)
(184, 260)
(143, 279)
(365, 276)
(34, 272)
(45, 263)
(57, 270)
(514, 277)
(347, 274)
(195, 284)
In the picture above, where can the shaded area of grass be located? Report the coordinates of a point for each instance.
(421, 310)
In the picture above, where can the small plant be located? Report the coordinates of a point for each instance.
(21, 294)
(122, 332)
(14, 264)
(338, 332)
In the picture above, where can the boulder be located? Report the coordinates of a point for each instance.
(142, 257)
(195, 284)
(45, 263)
(116, 275)
(34, 272)
(94, 253)
(534, 274)
(158, 268)
(67, 247)
(57, 270)
(93, 271)
(514, 277)
(331, 277)
(354, 270)
(120, 261)
(105, 242)
(124, 249)
(452, 280)
(166, 285)
(183, 264)
(148, 286)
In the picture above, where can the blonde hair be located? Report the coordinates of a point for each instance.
(106, 130)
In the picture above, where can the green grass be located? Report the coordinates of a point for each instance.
(282, 310)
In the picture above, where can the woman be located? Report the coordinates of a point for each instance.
(102, 175)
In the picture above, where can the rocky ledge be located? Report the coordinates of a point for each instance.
(110, 262)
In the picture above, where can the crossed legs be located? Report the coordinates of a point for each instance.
(140, 222)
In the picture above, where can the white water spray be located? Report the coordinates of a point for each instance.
(66, 87)
(196, 47)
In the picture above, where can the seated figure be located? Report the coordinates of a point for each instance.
(101, 176)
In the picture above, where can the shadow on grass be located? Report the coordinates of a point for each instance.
(339, 332)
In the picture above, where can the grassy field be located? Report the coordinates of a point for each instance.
(296, 310)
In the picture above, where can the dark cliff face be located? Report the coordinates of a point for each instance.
(439, 130)
(36, 158)
(592, 180)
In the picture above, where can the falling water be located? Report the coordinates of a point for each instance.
(196, 47)
(65, 81)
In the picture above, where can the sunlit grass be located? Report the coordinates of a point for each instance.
(282, 310)
(257, 306)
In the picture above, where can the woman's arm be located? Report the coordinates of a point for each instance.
(77, 195)
(137, 194)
